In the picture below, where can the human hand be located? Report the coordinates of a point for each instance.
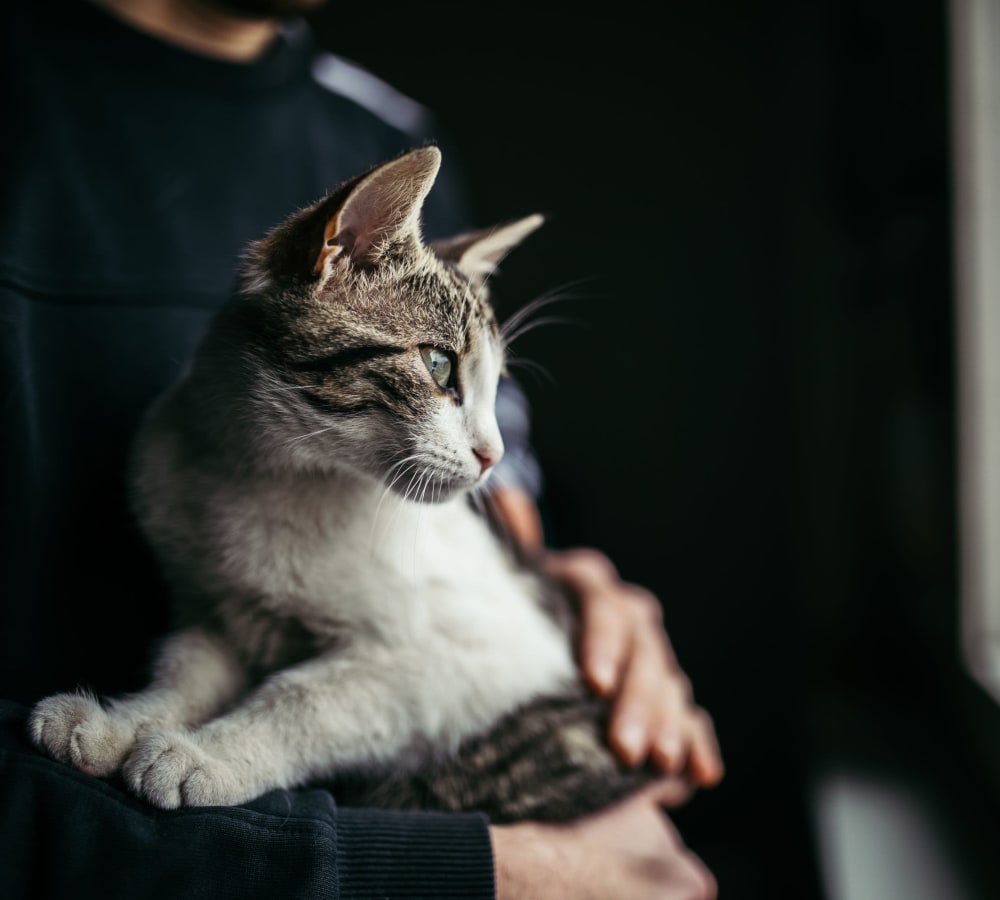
(629, 850)
(625, 653)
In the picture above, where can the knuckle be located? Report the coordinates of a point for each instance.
(645, 603)
(589, 572)
(674, 689)
(595, 563)
(704, 725)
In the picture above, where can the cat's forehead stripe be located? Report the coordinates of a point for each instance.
(423, 300)
(475, 309)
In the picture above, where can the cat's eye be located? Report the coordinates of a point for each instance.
(439, 364)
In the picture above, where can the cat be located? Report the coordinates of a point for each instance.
(345, 614)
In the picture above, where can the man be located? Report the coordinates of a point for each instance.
(148, 141)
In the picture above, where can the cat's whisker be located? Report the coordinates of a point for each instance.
(285, 387)
(401, 468)
(521, 362)
(409, 469)
(532, 324)
(556, 295)
(421, 509)
(512, 321)
(409, 462)
(416, 477)
(414, 487)
(304, 437)
(420, 490)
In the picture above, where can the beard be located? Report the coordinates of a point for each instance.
(266, 9)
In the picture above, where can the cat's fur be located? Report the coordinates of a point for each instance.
(344, 613)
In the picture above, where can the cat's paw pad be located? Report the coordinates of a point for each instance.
(171, 770)
(76, 729)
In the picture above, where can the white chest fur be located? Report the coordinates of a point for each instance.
(424, 589)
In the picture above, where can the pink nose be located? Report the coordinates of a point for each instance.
(487, 459)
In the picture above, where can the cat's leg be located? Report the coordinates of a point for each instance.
(194, 676)
(301, 723)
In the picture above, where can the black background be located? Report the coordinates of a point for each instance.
(751, 407)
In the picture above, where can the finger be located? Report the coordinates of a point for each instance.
(655, 694)
(635, 712)
(606, 620)
(604, 642)
(517, 510)
(672, 740)
(705, 762)
(582, 568)
(620, 620)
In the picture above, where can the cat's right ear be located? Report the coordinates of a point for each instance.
(383, 206)
(477, 254)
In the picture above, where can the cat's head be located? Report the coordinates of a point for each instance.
(373, 351)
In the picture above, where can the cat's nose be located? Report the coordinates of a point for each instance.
(487, 456)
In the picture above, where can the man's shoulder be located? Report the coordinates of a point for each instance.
(351, 81)
(346, 81)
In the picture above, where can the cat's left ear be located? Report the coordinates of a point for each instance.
(477, 254)
(381, 206)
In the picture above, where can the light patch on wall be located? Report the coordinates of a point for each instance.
(975, 35)
(878, 841)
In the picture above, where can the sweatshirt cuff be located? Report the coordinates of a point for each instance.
(404, 856)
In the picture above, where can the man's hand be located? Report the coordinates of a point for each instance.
(625, 653)
(629, 850)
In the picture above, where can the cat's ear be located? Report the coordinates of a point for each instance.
(382, 205)
(477, 254)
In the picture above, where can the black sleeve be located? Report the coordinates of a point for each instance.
(66, 834)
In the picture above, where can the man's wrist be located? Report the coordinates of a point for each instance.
(526, 861)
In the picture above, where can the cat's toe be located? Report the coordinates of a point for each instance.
(75, 729)
(170, 770)
(150, 770)
(99, 745)
(53, 719)
(206, 785)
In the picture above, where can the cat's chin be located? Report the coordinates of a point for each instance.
(442, 491)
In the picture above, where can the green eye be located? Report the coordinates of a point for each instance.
(438, 364)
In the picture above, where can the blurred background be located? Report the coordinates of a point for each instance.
(752, 407)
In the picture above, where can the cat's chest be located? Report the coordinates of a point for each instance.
(412, 572)
(477, 620)
(435, 573)
(426, 587)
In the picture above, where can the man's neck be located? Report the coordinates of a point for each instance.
(197, 26)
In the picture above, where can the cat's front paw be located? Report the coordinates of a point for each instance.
(171, 770)
(76, 729)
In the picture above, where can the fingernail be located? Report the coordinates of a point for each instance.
(602, 670)
(709, 772)
(631, 736)
(670, 747)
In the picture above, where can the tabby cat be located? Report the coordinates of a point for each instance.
(345, 614)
